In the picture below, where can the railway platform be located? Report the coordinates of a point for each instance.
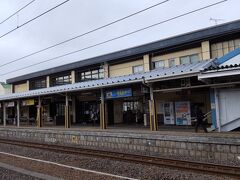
(220, 148)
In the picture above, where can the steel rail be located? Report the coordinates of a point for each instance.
(202, 167)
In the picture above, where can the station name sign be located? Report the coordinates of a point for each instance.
(118, 93)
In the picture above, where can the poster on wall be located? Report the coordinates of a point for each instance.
(168, 113)
(183, 114)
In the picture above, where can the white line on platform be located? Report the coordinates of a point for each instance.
(66, 166)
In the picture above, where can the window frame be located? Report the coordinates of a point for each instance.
(189, 58)
(137, 66)
(88, 75)
(157, 62)
(61, 80)
(38, 84)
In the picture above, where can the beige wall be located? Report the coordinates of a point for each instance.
(21, 87)
(206, 50)
(146, 62)
(48, 81)
(73, 77)
(123, 68)
(106, 70)
(177, 55)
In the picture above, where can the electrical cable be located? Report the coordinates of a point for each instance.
(84, 34)
(33, 19)
(16, 12)
(119, 37)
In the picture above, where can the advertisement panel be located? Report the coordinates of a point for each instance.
(118, 93)
(168, 113)
(183, 114)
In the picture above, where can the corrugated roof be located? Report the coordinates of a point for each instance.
(154, 75)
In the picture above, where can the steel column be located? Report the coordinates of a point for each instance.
(39, 113)
(103, 124)
(67, 119)
(152, 112)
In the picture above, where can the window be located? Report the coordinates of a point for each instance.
(171, 62)
(61, 80)
(92, 74)
(159, 64)
(138, 69)
(221, 48)
(189, 59)
(38, 84)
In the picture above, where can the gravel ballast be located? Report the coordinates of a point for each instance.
(132, 170)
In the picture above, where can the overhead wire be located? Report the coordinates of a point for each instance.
(119, 37)
(29, 21)
(16, 12)
(84, 34)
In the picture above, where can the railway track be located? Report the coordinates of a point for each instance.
(209, 168)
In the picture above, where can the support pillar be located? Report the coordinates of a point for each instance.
(152, 112)
(39, 114)
(103, 124)
(18, 113)
(67, 114)
(4, 114)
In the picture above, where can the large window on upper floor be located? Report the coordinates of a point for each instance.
(91, 74)
(221, 48)
(61, 80)
(38, 84)
(159, 64)
(189, 59)
(138, 69)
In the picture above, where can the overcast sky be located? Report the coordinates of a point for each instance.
(78, 16)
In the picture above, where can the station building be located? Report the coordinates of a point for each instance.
(153, 85)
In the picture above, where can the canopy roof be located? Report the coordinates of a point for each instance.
(160, 74)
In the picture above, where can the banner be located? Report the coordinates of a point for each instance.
(118, 93)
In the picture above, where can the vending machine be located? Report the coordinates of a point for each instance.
(168, 109)
(183, 113)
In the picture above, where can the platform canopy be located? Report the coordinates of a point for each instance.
(160, 74)
(228, 65)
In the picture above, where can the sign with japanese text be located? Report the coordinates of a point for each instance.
(118, 93)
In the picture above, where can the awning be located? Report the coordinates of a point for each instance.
(227, 65)
(151, 76)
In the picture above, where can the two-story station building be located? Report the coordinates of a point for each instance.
(153, 85)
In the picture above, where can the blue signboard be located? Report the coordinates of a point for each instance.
(118, 93)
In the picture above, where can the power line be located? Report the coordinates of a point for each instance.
(119, 37)
(33, 19)
(16, 12)
(84, 34)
